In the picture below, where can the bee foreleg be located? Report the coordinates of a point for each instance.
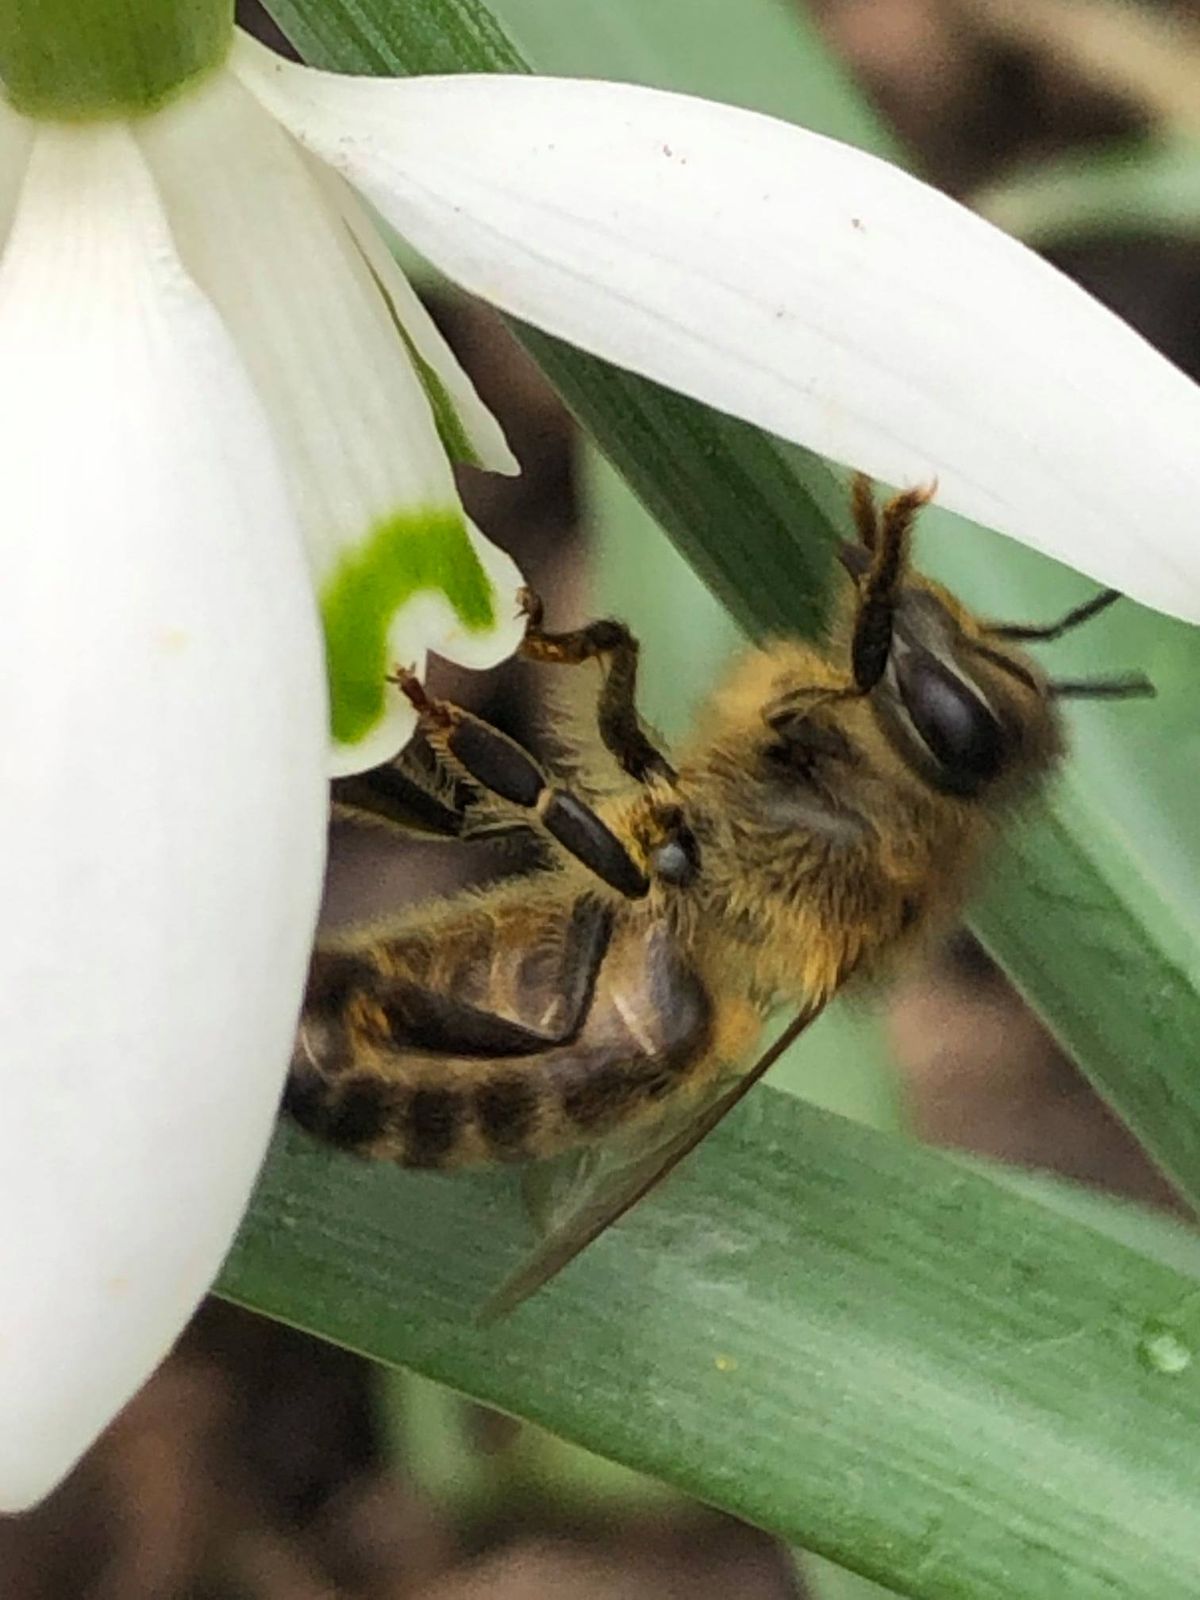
(864, 510)
(504, 768)
(617, 719)
(887, 535)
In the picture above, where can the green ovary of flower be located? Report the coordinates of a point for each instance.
(406, 554)
(74, 60)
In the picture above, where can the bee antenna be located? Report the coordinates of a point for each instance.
(1055, 630)
(1133, 686)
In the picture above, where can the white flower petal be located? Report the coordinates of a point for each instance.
(375, 492)
(484, 650)
(794, 281)
(164, 804)
(468, 430)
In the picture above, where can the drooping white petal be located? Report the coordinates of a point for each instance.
(794, 281)
(163, 804)
(457, 408)
(394, 565)
(483, 650)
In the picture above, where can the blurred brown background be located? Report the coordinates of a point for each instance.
(260, 1465)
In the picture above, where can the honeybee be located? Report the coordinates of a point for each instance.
(828, 813)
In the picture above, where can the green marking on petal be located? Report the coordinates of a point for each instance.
(446, 419)
(445, 416)
(407, 553)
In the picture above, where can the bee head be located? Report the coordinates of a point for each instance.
(959, 700)
(962, 715)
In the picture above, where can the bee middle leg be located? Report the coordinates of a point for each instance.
(611, 643)
(504, 768)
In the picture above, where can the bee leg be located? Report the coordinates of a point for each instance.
(864, 509)
(503, 767)
(616, 649)
(415, 796)
(887, 536)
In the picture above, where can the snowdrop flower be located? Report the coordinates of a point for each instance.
(224, 433)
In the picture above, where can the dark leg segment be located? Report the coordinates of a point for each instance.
(612, 644)
(886, 535)
(580, 831)
(863, 510)
(499, 764)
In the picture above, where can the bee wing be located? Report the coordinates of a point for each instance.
(551, 1189)
(607, 1184)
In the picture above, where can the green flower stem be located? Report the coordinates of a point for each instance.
(67, 60)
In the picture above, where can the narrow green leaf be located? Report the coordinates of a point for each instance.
(726, 493)
(1140, 1052)
(828, 1582)
(1139, 1227)
(397, 39)
(1148, 187)
(771, 59)
(1092, 903)
(884, 1357)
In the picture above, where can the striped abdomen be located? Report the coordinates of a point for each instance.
(508, 1028)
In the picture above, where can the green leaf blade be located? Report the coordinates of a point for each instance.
(1139, 1040)
(380, 37)
(884, 1357)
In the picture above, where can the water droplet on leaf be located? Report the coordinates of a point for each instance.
(1160, 1349)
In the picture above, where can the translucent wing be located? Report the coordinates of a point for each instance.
(577, 1202)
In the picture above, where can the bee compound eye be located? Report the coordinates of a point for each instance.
(961, 732)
